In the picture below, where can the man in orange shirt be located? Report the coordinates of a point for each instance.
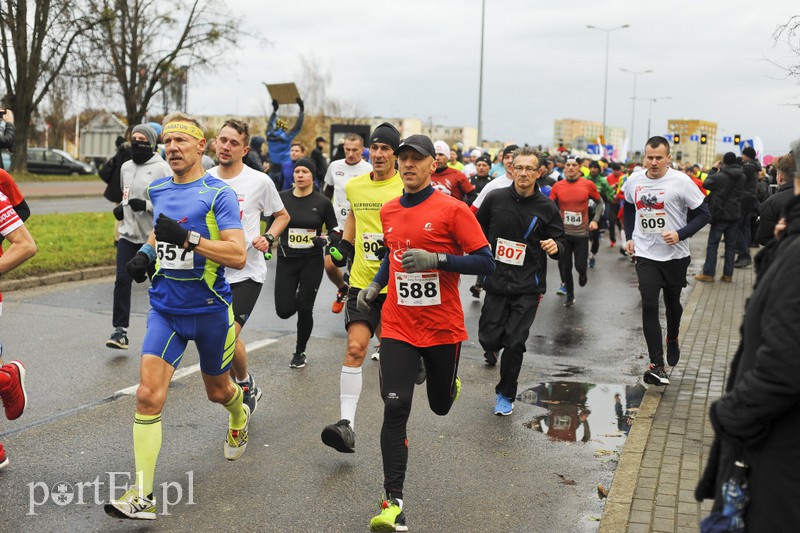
(449, 180)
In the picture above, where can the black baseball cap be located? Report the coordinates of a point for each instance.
(509, 149)
(386, 133)
(318, 139)
(420, 143)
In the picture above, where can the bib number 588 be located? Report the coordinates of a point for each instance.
(416, 290)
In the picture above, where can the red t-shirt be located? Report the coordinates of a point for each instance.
(452, 182)
(573, 202)
(424, 309)
(10, 189)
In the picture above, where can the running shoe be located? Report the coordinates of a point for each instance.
(3, 458)
(458, 389)
(656, 375)
(583, 280)
(570, 301)
(376, 355)
(236, 441)
(341, 296)
(562, 290)
(391, 518)
(613, 244)
(673, 352)
(503, 406)
(133, 504)
(298, 360)
(340, 436)
(421, 372)
(592, 261)
(13, 396)
(490, 357)
(252, 394)
(118, 340)
(475, 290)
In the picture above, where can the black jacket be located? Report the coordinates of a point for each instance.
(7, 138)
(749, 201)
(507, 215)
(109, 173)
(726, 188)
(771, 212)
(757, 419)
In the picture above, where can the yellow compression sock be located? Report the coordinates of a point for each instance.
(146, 445)
(235, 407)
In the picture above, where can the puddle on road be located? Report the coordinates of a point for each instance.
(598, 414)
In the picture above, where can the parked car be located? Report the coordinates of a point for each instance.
(54, 161)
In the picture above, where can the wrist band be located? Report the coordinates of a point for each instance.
(148, 250)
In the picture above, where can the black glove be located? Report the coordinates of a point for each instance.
(137, 204)
(118, 212)
(275, 105)
(137, 267)
(334, 237)
(300, 103)
(320, 242)
(382, 250)
(348, 252)
(168, 230)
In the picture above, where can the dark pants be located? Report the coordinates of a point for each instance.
(731, 232)
(505, 324)
(594, 237)
(398, 371)
(579, 248)
(613, 221)
(126, 251)
(297, 281)
(655, 276)
(744, 237)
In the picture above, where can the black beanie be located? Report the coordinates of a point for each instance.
(386, 133)
(308, 163)
(485, 159)
(749, 151)
(729, 159)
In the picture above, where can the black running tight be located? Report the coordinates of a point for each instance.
(297, 281)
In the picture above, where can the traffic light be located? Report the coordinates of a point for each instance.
(703, 138)
(737, 139)
(676, 139)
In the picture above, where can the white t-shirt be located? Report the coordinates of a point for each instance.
(339, 173)
(257, 194)
(469, 170)
(661, 204)
(497, 183)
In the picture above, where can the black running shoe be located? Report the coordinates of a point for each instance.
(251, 394)
(655, 375)
(583, 280)
(570, 301)
(118, 340)
(340, 436)
(421, 372)
(475, 290)
(673, 352)
(298, 360)
(491, 358)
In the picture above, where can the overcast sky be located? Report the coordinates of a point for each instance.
(421, 58)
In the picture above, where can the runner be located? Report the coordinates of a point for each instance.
(300, 254)
(656, 203)
(523, 227)
(449, 179)
(257, 196)
(470, 169)
(366, 194)
(339, 173)
(21, 248)
(427, 235)
(197, 233)
(135, 213)
(572, 195)
(503, 180)
(607, 194)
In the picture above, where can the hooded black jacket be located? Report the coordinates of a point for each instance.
(507, 215)
(726, 188)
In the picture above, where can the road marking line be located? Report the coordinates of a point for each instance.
(192, 369)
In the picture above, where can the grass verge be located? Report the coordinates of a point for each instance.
(68, 242)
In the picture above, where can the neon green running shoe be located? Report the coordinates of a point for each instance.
(236, 442)
(391, 518)
(458, 389)
(133, 504)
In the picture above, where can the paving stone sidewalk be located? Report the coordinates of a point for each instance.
(663, 458)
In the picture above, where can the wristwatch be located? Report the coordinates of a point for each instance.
(270, 238)
(442, 261)
(193, 239)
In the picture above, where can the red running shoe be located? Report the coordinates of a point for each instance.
(341, 296)
(13, 395)
(3, 458)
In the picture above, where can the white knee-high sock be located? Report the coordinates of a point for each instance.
(350, 391)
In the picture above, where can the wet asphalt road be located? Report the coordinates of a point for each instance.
(93, 204)
(469, 471)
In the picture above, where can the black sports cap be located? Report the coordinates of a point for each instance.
(485, 159)
(509, 149)
(594, 164)
(386, 133)
(420, 143)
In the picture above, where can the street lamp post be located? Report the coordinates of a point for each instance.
(605, 87)
(633, 111)
(480, 82)
(650, 110)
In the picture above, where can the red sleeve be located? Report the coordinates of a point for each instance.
(554, 192)
(466, 185)
(10, 189)
(466, 229)
(593, 190)
(9, 220)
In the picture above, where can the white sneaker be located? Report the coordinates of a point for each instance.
(236, 441)
(376, 355)
(132, 505)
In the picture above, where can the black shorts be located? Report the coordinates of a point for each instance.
(665, 274)
(245, 295)
(352, 314)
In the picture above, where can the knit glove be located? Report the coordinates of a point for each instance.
(367, 296)
(416, 260)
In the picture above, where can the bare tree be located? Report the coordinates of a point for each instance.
(791, 32)
(149, 46)
(38, 39)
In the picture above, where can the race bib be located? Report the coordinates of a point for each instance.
(342, 209)
(510, 252)
(301, 238)
(125, 193)
(370, 245)
(573, 218)
(655, 222)
(417, 289)
(240, 197)
(174, 257)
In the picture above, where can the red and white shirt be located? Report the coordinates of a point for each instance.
(9, 220)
